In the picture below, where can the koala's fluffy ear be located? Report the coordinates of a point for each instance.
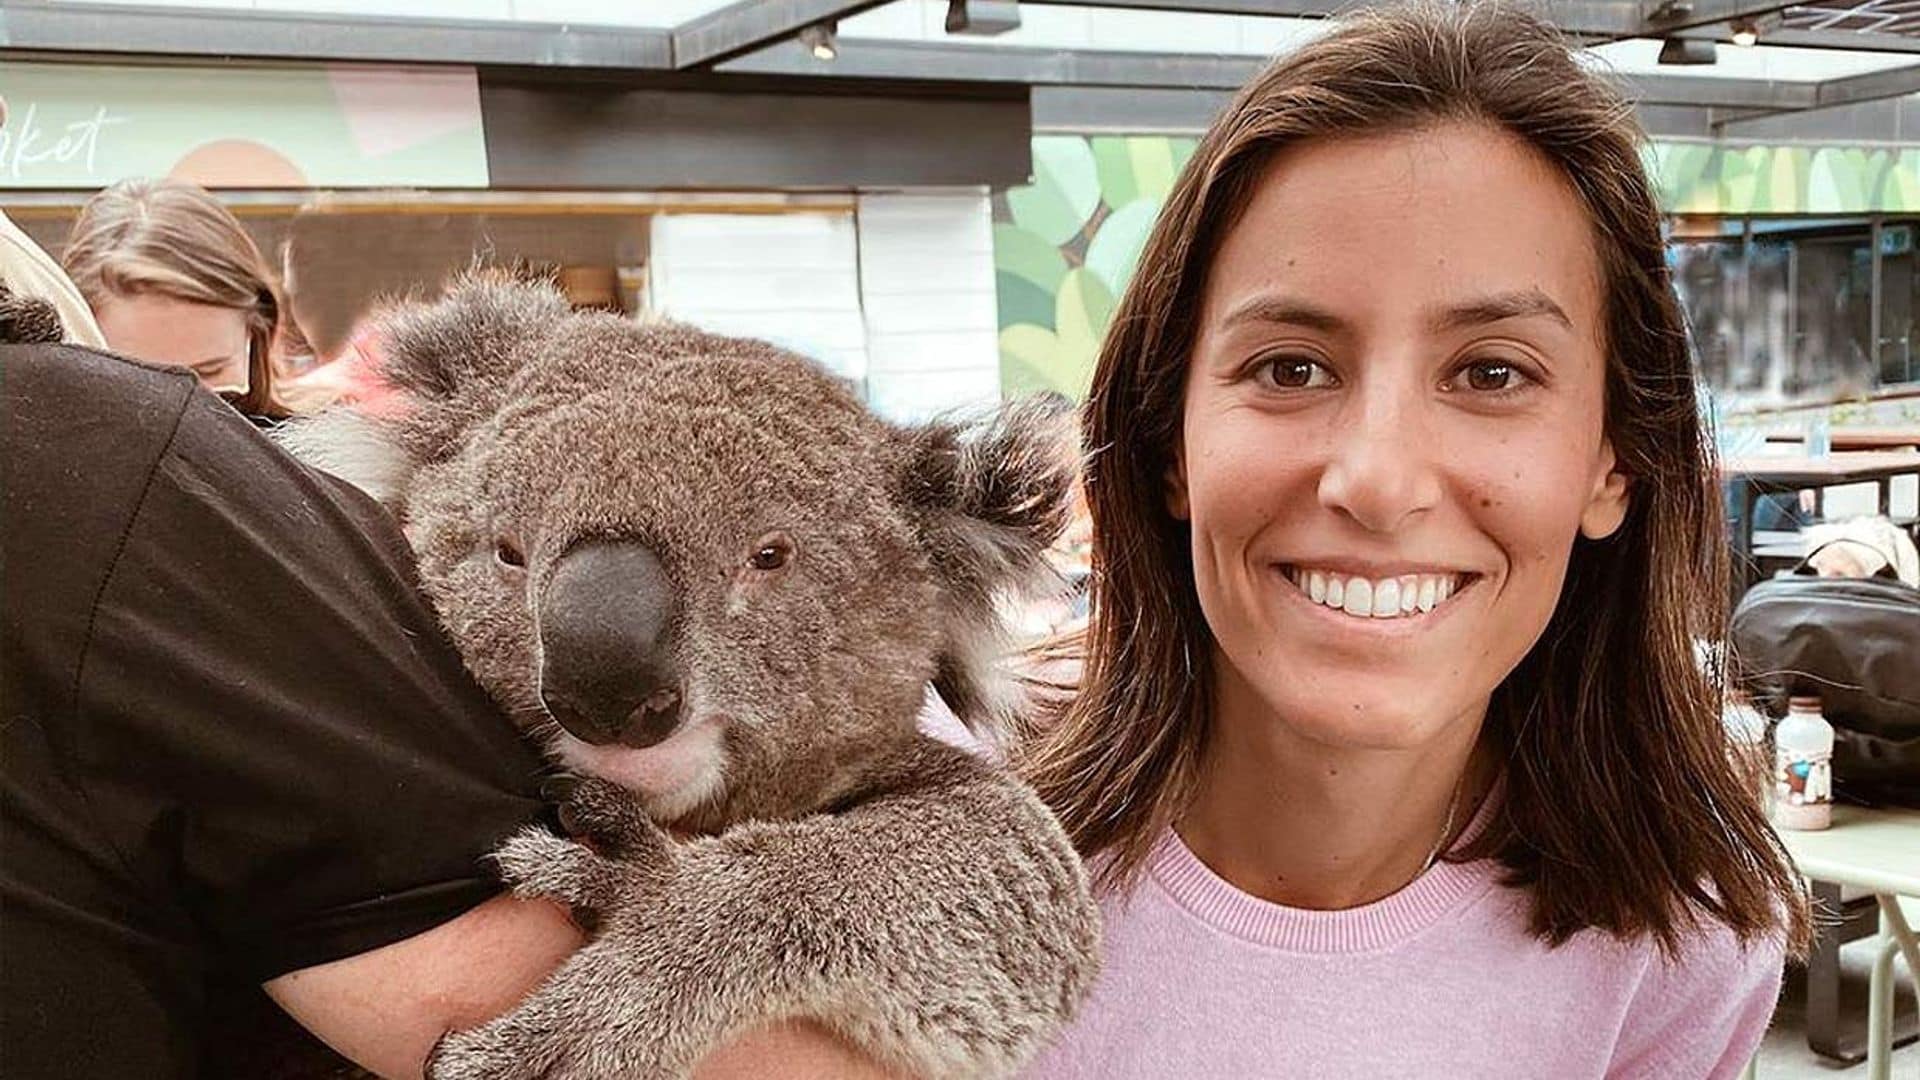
(471, 339)
(451, 359)
(990, 497)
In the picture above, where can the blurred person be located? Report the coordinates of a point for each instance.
(174, 279)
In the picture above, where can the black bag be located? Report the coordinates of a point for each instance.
(1854, 642)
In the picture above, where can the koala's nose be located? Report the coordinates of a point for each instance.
(606, 673)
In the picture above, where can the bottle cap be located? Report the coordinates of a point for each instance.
(1807, 703)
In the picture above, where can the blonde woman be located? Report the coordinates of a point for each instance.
(174, 279)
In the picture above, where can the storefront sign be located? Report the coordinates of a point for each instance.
(83, 126)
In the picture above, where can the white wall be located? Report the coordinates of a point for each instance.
(898, 297)
(793, 279)
(926, 277)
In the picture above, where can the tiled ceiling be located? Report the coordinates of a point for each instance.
(1868, 16)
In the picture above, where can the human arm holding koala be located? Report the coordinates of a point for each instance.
(385, 1009)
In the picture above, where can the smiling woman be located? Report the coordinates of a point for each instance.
(174, 279)
(1390, 733)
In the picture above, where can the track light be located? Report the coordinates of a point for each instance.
(982, 17)
(1746, 33)
(820, 40)
(1687, 51)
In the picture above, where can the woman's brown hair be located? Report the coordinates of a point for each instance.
(174, 239)
(1622, 809)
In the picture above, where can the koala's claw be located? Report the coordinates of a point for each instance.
(537, 863)
(474, 1055)
(611, 818)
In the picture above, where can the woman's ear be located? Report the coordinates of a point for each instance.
(1607, 505)
(1176, 485)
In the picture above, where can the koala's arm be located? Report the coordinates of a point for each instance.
(946, 930)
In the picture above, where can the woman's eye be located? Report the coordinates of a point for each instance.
(1490, 377)
(508, 554)
(1297, 373)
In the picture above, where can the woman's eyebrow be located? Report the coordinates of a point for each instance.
(1280, 309)
(1511, 305)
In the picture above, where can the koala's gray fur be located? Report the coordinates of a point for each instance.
(837, 864)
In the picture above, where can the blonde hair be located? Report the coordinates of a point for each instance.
(171, 238)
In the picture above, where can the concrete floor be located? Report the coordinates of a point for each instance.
(1784, 1054)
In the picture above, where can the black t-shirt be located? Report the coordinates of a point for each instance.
(236, 741)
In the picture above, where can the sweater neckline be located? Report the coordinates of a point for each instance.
(1442, 888)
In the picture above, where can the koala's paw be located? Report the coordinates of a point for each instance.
(611, 818)
(480, 1054)
(537, 863)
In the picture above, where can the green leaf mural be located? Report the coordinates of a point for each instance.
(1082, 309)
(1024, 255)
(1134, 168)
(1064, 192)
(1837, 180)
(1115, 249)
(1899, 189)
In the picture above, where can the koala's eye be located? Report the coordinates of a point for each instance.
(508, 554)
(771, 553)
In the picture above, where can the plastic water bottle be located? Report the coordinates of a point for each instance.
(1747, 739)
(1803, 767)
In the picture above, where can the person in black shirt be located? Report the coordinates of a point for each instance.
(236, 743)
(237, 749)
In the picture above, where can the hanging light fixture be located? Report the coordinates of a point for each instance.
(982, 17)
(1746, 33)
(821, 40)
(1687, 51)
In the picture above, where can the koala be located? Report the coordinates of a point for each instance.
(714, 586)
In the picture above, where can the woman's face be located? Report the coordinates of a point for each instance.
(1393, 429)
(209, 340)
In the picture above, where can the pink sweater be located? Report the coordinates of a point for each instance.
(1441, 980)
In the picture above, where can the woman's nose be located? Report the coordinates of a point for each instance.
(1380, 468)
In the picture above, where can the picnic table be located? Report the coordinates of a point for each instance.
(1752, 476)
(1877, 850)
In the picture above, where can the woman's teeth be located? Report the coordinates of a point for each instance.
(1376, 598)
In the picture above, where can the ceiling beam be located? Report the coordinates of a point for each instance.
(1587, 20)
(110, 31)
(748, 25)
(862, 59)
(222, 36)
(1850, 90)
(1873, 86)
(1082, 67)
